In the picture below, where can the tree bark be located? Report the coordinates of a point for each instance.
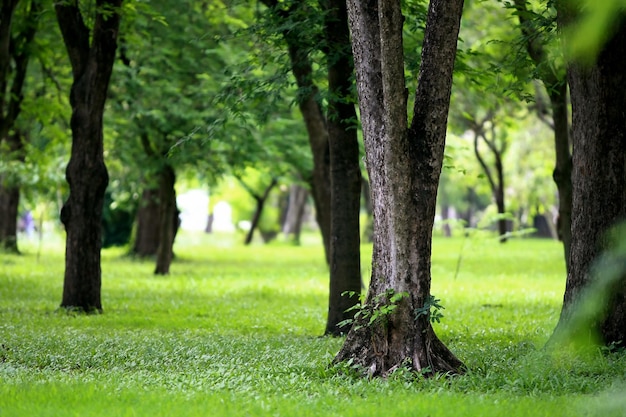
(404, 166)
(598, 176)
(345, 171)
(91, 54)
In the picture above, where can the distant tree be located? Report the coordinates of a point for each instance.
(404, 165)
(599, 168)
(91, 52)
(18, 26)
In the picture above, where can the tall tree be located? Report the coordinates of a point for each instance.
(599, 168)
(345, 171)
(312, 112)
(15, 52)
(404, 165)
(91, 53)
(553, 79)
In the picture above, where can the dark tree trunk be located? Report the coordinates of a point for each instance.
(147, 233)
(92, 56)
(598, 176)
(168, 220)
(10, 198)
(556, 87)
(345, 171)
(309, 104)
(260, 200)
(15, 54)
(404, 165)
(294, 215)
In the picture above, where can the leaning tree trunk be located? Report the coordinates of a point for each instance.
(345, 172)
(404, 166)
(598, 176)
(92, 56)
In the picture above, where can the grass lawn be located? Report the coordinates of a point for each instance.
(235, 331)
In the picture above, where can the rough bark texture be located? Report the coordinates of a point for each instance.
(404, 165)
(91, 53)
(14, 57)
(345, 172)
(556, 86)
(309, 104)
(599, 171)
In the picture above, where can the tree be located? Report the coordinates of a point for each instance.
(16, 37)
(599, 169)
(404, 165)
(91, 53)
(553, 79)
(345, 171)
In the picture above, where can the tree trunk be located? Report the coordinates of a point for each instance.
(309, 104)
(92, 56)
(556, 87)
(147, 234)
(10, 197)
(345, 172)
(15, 54)
(295, 212)
(168, 220)
(404, 165)
(368, 229)
(258, 210)
(598, 176)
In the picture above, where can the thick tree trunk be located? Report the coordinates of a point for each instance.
(598, 176)
(404, 166)
(92, 56)
(168, 220)
(147, 233)
(345, 172)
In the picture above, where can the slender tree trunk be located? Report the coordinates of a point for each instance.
(556, 86)
(309, 104)
(91, 54)
(598, 176)
(258, 210)
(168, 220)
(404, 165)
(15, 52)
(345, 172)
(295, 212)
(368, 229)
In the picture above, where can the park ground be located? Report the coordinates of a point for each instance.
(236, 331)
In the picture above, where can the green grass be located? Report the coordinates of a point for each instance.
(234, 331)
